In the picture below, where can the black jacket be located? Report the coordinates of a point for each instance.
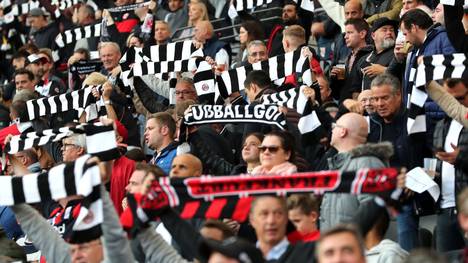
(352, 73)
(409, 150)
(383, 58)
(453, 16)
(461, 163)
(45, 37)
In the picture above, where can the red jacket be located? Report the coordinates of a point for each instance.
(121, 172)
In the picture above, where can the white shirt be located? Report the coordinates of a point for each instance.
(448, 170)
(277, 251)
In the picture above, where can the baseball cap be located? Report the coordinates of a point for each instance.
(384, 21)
(37, 12)
(232, 247)
(33, 58)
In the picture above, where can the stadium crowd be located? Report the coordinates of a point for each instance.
(362, 57)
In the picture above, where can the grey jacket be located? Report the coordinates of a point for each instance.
(156, 249)
(339, 208)
(55, 249)
(387, 251)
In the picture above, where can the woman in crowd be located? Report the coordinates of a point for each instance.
(197, 13)
(250, 30)
(250, 153)
(277, 154)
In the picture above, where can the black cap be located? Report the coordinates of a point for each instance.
(384, 21)
(232, 247)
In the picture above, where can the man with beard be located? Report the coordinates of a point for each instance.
(383, 34)
(289, 17)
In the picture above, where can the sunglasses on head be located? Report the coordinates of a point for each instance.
(271, 149)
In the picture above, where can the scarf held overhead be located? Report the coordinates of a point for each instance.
(231, 196)
(64, 180)
(260, 113)
(436, 67)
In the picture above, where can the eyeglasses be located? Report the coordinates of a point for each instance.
(257, 54)
(65, 145)
(460, 98)
(334, 125)
(183, 92)
(271, 149)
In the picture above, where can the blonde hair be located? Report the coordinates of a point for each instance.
(95, 79)
(296, 33)
(204, 16)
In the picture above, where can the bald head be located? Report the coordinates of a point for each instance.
(203, 31)
(353, 9)
(186, 165)
(350, 131)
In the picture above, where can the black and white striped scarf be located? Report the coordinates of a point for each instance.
(260, 113)
(100, 140)
(68, 179)
(64, 4)
(81, 99)
(127, 8)
(295, 99)
(277, 67)
(436, 67)
(72, 35)
(241, 5)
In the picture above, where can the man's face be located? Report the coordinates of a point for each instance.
(325, 90)
(289, 13)
(109, 57)
(251, 94)
(386, 103)
(340, 248)
(37, 22)
(89, 252)
(175, 5)
(410, 35)
(304, 224)
(352, 10)
(18, 63)
(459, 92)
(438, 15)
(36, 68)
(199, 33)
(82, 15)
(366, 100)
(185, 91)
(23, 82)
(269, 218)
(353, 38)
(136, 181)
(161, 32)
(183, 166)
(153, 136)
(257, 53)
(135, 42)
(70, 151)
(45, 64)
(384, 37)
(409, 4)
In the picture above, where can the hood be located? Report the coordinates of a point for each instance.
(433, 31)
(383, 150)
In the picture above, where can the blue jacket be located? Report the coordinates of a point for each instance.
(164, 159)
(436, 42)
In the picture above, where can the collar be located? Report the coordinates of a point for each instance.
(277, 251)
(35, 167)
(22, 126)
